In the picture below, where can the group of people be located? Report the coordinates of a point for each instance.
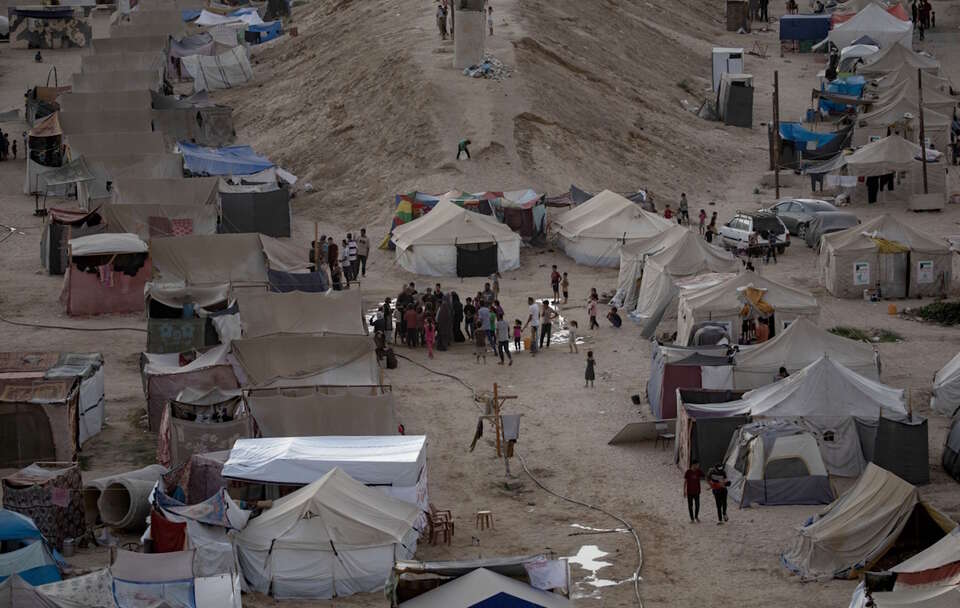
(718, 482)
(345, 262)
(7, 147)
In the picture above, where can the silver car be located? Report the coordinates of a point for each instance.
(825, 222)
(797, 213)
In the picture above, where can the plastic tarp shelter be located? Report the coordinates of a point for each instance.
(228, 160)
(163, 207)
(118, 80)
(34, 561)
(107, 274)
(317, 414)
(594, 232)
(794, 131)
(875, 22)
(892, 58)
(776, 463)
(854, 259)
(298, 360)
(485, 588)
(722, 303)
(332, 538)
(170, 579)
(112, 121)
(224, 71)
(452, 241)
(334, 312)
(854, 532)
(795, 348)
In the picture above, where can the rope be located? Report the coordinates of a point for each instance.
(67, 328)
(623, 522)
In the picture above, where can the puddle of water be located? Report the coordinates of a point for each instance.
(589, 558)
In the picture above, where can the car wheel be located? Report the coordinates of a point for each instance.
(802, 230)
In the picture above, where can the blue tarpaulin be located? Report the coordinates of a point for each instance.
(41, 575)
(851, 85)
(267, 31)
(14, 526)
(190, 14)
(229, 160)
(804, 27)
(793, 131)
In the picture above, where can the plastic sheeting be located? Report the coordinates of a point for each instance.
(229, 160)
(264, 212)
(223, 71)
(294, 360)
(338, 312)
(164, 378)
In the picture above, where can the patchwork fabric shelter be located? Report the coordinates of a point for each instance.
(451, 241)
(50, 494)
(61, 225)
(170, 579)
(672, 368)
(331, 313)
(879, 514)
(332, 538)
(307, 361)
(594, 232)
(163, 207)
(197, 422)
(107, 274)
(887, 254)
(26, 553)
(224, 71)
(485, 588)
(777, 463)
(316, 414)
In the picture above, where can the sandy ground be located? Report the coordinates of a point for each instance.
(594, 100)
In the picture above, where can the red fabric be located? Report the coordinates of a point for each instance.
(691, 480)
(84, 293)
(674, 377)
(167, 535)
(182, 227)
(946, 574)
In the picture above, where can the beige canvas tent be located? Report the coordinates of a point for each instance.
(157, 42)
(632, 259)
(933, 97)
(896, 155)
(885, 254)
(163, 207)
(883, 83)
(100, 102)
(313, 414)
(895, 56)
(112, 121)
(110, 144)
(294, 360)
(728, 303)
(594, 232)
(878, 515)
(120, 80)
(297, 312)
(451, 241)
(131, 165)
(901, 116)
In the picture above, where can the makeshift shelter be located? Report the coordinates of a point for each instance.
(163, 207)
(50, 494)
(227, 70)
(887, 82)
(901, 116)
(113, 121)
(61, 225)
(950, 459)
(256, 209)
(44, 151)
(892, 57)
(120, 62)
(315, 414)
(164, 377)
(879, 515)
(206, 476)
(307, 361)
(25, 552)
(196, 422)
(933, 98)
(632, 259)
(743, 297)
(16, 592)
(795, 348)
(198, 44)
(95, 145)
(673, 368)
(206, 124)
(170, 579)
(41, 419)
(49, 27)
(887, 255)
(703, 434)
(332, 538)
(107, 274)
(228, 160)
(106, 46)
(884, 159)
(485, 588)
(594, 232)
(332, 313)
(451, 241)
(119, 80)
(886, 29)
(945, 398)
(134, 166)
(776, 463)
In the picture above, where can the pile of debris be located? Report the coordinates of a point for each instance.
(490, 67)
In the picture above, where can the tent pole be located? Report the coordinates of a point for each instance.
(776, 132)
(923, 145)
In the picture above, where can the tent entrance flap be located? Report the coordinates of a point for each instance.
(477, 260)
(893, 279)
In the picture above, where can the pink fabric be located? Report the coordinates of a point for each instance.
(85, 293)
(183, 227)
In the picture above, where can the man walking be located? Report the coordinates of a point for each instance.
(546, 322)
(691, 489)
(718, 483)
(363, 250)
(463, 148)
(684, 215)
(333, 253)
(352, 260)
(533, 321)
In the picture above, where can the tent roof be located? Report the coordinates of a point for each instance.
(802, 343)
(99, 244)
(138, 567)
(450, 224)
(333, 512)
(892, 153)
(74, 171)
(382, 459)
(906, 86)
(216, 259)
(691, 254)
(887, 227)
(480, 587)
(824, 388)
(653, 244)
(902, 104)
(14, 526)
(894, 57)
(228, 160)
(316, 413)
(875, 22)
(609, 215)
(116, 144)
(297, 312)
(724, 297)
(291, 357)
(196, 191)
(887, 80)
(15, 592)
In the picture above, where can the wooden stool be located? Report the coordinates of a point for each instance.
(484, 520)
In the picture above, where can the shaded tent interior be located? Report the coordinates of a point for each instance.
(61, 225)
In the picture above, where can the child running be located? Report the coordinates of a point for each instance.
(517, 334)
(590, 373)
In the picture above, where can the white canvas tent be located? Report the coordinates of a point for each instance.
(776, 463)
(891, 58)
(332, 538)
(894, 116)
(632, 259)
(723, 304)
(293, 360)
(451, 241)
(298, 312)
(859, 528)
(224, 71)
(483, 587)
(795, 348)
(594, 232)
(875, 22)
(946, 388)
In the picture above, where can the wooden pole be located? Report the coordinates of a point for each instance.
(776, 132)
(496, 416)
(923, 145)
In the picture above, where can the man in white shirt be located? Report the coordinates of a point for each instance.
(363, 250)
(352, 256)
(533, 320)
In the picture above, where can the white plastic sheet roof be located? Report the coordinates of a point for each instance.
(107, 243)
(875, 22)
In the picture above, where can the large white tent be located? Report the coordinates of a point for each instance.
(451, 241)
(797, 347)
(875, 22)
(724, 303)
(594, 232)
(946, 388)
(632, 259)
(893, 57)
(332, 538)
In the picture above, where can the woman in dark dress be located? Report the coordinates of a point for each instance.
(457, 317)
(444, 324)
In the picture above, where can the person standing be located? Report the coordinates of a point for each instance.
(483, 320)
(691, 489)
(771, 247)
(352, 259)
(410, 320)
(333, 253)
(13, 147)
(592, 311)
(555, 283)
(442, 21)
(684, 209)
(718, 484)
(533, 321)
(480, 342)
(363, 250)
(490, 19)
(764, 5)
(387, 319)
(345, 262)
(503, 338)
(667, 212)
(457, 310)
(444, 323)
(547, 315)
(495, 285)
(429, 335)
(703, 221)
(565, 286)
(495, 311)
(572, 335)
(517, 334)
(590, 374)
(463, 147)
(914, 13)
(469, 317)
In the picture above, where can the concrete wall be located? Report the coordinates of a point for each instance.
(469, 35)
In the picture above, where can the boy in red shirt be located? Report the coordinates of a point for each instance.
(691, 489)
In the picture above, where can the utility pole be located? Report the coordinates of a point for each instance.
(923, 145)
(776, 131)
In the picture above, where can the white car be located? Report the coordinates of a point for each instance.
(735, 234)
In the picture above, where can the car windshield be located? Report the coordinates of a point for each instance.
(763, 224)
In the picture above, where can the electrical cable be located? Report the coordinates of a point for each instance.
(67, 328)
